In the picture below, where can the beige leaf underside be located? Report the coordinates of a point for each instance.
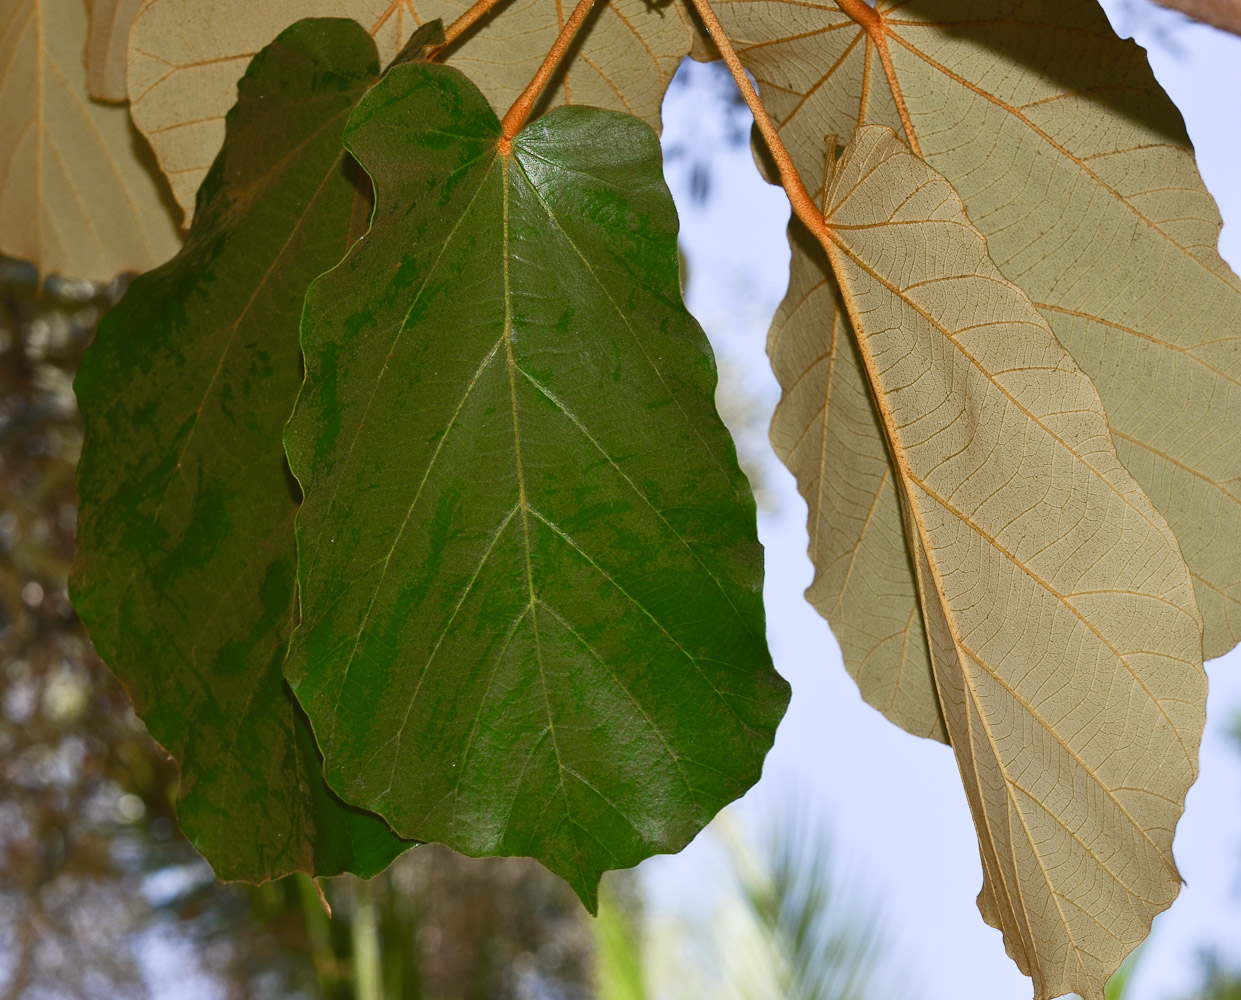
(74, 198)
(110, 21)
(185, 57)
(1060, 615)
(826, 430)
(1076, 168)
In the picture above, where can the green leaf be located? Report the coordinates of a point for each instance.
(185, 561)
(531, 620)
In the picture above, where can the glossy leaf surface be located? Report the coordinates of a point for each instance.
(185, 560)
(1060, 616)
(531, 619)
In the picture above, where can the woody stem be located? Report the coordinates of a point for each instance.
(790, 180)
(462, 24)
(520, 111)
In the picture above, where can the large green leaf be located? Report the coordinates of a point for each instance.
(531, 620)
(185, 562)
(1075, 166)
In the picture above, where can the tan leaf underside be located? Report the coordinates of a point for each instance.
(110, 21)
(185, 57)
(1075, 166)
(827, 432)
(1061, 617)
(74, 198)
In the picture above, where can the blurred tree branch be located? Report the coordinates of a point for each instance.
(1222, 14)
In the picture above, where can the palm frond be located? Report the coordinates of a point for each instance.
(823, 937)
(620, 966)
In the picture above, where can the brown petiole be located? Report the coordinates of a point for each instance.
(790, 179)
(463, 24)
(517, 114)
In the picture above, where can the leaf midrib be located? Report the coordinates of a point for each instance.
(401, 329)
(259, 287)
(836, 245)
(523, 502)
(961, 349)
(1094, 776)
(897, 451)
(228, 346)
(623, 316)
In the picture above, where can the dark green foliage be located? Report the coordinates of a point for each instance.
(531, 618)
(530, 579)
(185, 557)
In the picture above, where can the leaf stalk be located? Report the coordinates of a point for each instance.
(871, 21)
(520, 111)
(463, 24)
(803, 205)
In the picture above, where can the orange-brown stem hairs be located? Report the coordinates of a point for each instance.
(520, 111)
(790, 180)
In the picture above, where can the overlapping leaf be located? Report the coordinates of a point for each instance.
(75, 198)
(107, 47)
(184, 60)
(1062, 626)
(531, 619)
(1075, 166)
(827, 431)
(185, 558)
(185, 57)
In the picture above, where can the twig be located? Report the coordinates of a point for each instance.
(517, 114)
(322, 897)
(1222, 14)
(463, 24)
(790, 180)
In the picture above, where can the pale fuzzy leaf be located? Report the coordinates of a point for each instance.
(110, 21)
(1076, 167)
(1064, 636)
(827, 432)
(74, 198)
(185, 57)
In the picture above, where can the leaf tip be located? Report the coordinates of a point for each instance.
(588, 892)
